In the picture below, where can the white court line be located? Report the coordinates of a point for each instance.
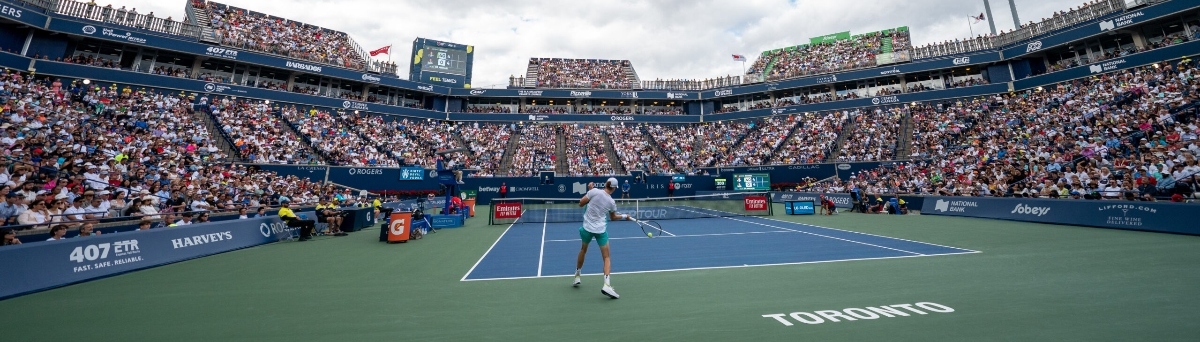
(542, 251)
(721, 267)
(693, 235)
(824, 236)
(842, 230)
(489, 250)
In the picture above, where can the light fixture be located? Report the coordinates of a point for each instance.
(87, 81)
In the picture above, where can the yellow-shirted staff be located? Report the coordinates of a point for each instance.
(306, 226)
(328, 212)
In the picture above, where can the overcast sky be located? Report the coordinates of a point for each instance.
(664, 39)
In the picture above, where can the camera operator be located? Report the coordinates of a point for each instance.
(328, 213)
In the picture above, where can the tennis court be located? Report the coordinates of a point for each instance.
(549, 249)
(1030, 282)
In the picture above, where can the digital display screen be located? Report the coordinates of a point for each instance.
(719, 183)
(677, 178)
(752, 182)
(444, 60)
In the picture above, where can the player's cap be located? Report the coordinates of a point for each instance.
(612, 182)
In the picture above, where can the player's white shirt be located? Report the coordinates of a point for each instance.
(595, 218)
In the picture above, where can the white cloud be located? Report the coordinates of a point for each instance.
(663, 39)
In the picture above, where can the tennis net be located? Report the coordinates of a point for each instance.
(550, 210)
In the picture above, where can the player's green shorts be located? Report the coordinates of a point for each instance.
(601, 239)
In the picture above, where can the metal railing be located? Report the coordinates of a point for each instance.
(122, 17)
(705, 84)
(1025, 32)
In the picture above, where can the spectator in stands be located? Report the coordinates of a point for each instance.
(88, 229)
(8, 237)
(58, 232)
(37, 214)
(10, 208)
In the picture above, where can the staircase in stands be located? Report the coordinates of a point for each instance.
(531, 75)
(613, 161)
(847, 128)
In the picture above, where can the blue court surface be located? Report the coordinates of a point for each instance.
(534, 250)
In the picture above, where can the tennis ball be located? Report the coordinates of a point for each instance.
(650, 234)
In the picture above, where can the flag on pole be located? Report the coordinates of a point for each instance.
(979, 18)
(739, 58)
(385, 49)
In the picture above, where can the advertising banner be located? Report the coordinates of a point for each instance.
(43, 265)
(1102, 26)
(1150, 216)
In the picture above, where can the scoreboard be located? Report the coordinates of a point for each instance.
(441, 63)
(752, 182)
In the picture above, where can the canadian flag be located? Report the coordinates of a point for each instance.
(739, 58)
(382, 50)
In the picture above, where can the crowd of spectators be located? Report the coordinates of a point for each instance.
(758, 146)
(874, 134)
(585, 151)
(822, 58)
(535, 150)
(814, 140)
(79, 154)
(487, 143)
(581, 73)
(260, 32)
(257, 133)
(634, 150)
(682, 144)
(335, 140)
(1128, 135)
(718, 141)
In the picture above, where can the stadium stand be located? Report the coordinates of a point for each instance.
(580, 73)
(257, 133)
(337, 141)
(585, 151)
(126, 153)
(487, 143)
(813, 141)
(260, 32)
(829, 56)
(535, 151)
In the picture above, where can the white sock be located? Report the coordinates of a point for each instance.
(606, 279)
(576, 272)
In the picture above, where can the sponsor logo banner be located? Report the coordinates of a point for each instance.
(50, 264)
(1152, 216)
(510, 210)
(755, 203)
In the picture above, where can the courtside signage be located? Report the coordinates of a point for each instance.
(1152, 216)
(756, 203)
(859, 314)
(50, 264)
(507, 210)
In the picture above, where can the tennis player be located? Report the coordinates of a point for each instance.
(600, 208)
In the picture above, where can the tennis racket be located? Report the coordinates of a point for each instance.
(651, 228)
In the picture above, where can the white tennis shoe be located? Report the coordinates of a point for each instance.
(608, 291)
(576, 282)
